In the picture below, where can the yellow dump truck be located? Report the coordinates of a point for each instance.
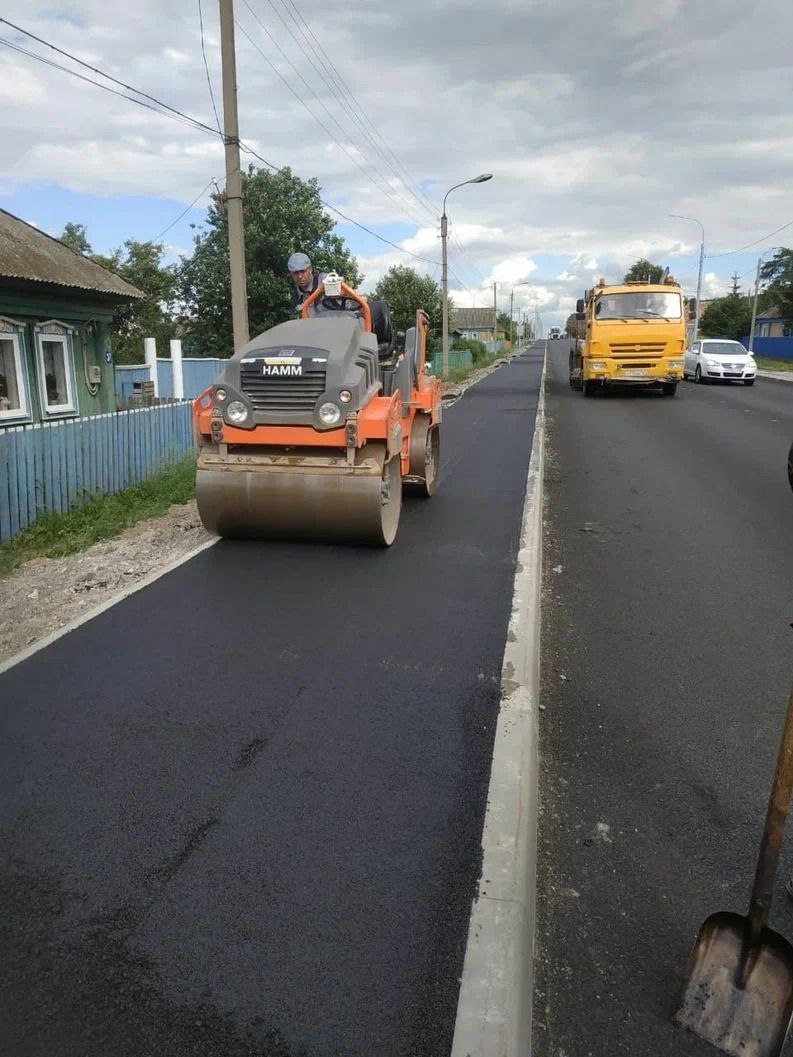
(629, 334)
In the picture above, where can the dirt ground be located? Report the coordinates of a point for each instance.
(47, 593)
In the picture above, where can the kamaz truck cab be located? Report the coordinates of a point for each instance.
(631, 334)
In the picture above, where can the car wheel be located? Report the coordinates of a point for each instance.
(698, 376)
(748, 381)
(790, 466)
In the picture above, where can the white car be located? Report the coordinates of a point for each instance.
(712, 358)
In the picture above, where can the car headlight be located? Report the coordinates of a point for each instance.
(329, 414)
(713, 363)
(236, 412)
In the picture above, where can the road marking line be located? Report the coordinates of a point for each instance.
(494, 1010)
(83, 618)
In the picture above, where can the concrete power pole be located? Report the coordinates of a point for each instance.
(495, 315)
(231, 138)
(445, 293)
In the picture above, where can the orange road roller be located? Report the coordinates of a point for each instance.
(314, 426)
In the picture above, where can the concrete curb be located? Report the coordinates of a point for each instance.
(494, 1010)
(776, 376)
(83, 618)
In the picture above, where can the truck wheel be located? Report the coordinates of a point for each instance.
(669, 388)
(590, 388)
(790, 466)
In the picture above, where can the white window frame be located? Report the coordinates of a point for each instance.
(54, 330)
(11, 330)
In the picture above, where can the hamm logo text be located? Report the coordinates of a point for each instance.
(291, 369)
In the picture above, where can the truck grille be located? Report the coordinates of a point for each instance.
(268, 393)
(630, 350)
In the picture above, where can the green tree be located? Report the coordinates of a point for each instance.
(406, 291)
(141, 264)
(76, 238)
(503, 324)
(727, 317)
(644, 270)
(571, 325)
(778, 276)
(282, 214)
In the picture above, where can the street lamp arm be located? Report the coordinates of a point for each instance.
(461, 184)
(679, 216)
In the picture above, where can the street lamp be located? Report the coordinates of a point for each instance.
(679, 216)
(511, 297)
(482, 178)
(771, 249)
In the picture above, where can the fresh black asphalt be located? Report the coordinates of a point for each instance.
(667, 660)
(242, 809)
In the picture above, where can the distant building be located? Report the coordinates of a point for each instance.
(55, 313)
(475, 323)
(771, 324)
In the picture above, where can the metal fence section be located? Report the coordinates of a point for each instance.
(774, 348)
(52, 467)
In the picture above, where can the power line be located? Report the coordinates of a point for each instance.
(206, 65)
(185, 211)
(749, 245)
(114, 80)
(381, 186)
(324, 66)
(344, 87)
(165, 110)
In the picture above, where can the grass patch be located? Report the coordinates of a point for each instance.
(102, 517)
(766, 363)
(461, 374)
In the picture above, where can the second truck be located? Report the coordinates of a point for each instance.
(630, 334)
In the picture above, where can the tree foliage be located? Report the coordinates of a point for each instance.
(282, 214)
(571, 325)
(406, 291)
(76, 238)
(777, 274)
(644, 270)
(727, 317)
(141, 264)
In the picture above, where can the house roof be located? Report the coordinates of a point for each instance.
(770, 313)
(27, 253)
(472, 318)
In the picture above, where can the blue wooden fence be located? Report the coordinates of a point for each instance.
(775, 348)
(197, 373)
(54, 466)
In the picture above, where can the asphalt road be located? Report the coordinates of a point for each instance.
(241, 810)
(667, 660)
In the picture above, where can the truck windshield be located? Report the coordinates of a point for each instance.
(638, 305)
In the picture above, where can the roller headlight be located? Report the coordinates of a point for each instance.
(329, 414)
(345, 396)
(220, 394)
(236, 412)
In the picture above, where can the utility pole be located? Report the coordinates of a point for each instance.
(231, 138)
(445, 292)
(495, 315)
(735, 287)
(754, 303)
(511, 324)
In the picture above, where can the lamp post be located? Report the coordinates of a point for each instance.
(679, 216)
(511, 301)
(482, 178)
(771, 249)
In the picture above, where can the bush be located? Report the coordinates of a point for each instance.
(476, 348)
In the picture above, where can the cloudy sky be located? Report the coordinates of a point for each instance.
(597, 121)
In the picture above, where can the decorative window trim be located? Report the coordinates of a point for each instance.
(55, 330)
(13, 330)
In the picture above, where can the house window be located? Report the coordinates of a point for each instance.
(56, 369)
(14, 402)
(787, 330)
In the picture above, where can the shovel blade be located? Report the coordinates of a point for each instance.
(749, 1021)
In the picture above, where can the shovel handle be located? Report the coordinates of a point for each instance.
(776, 816)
